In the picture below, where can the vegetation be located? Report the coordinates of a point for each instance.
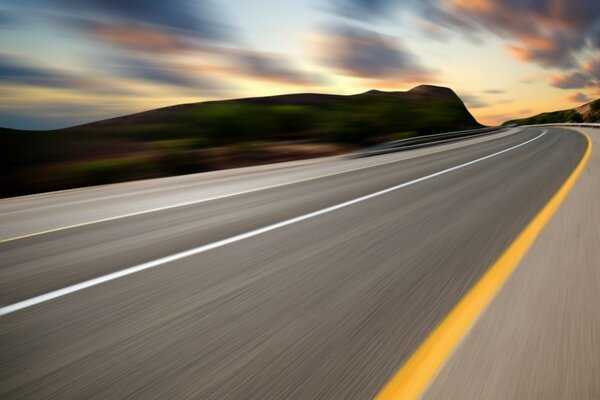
(594, 113)
(564, 116)
(205, 136)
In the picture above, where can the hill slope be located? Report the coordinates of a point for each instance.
(220, 134)
(589, 112)
(441, 99)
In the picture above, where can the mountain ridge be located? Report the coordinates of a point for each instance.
(195, 137)
(588, 112)
(420, 92)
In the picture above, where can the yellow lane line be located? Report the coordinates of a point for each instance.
(417, 373)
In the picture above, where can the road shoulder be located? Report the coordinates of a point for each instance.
(539, 337)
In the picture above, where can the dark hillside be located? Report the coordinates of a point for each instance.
(222, 134)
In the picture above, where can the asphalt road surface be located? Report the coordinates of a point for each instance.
(312, 280)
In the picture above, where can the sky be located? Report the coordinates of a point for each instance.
(67, 62)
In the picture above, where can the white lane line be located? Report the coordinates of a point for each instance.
(178, 256)
(219, 197)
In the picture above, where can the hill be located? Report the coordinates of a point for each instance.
(589, 112)
(221, 134)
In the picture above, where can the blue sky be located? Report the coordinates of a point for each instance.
(65, 62)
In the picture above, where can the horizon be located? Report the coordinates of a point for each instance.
(241, 98)
(64, 66)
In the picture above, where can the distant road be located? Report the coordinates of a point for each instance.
(314, 279)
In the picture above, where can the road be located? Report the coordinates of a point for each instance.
(310, 280)
(540, 337)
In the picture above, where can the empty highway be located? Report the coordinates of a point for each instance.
(318, 279)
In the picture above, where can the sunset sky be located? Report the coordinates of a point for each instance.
(65, 62)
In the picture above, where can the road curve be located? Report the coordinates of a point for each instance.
(329, 306)
(540, 337)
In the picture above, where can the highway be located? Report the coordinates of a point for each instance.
(307, 280)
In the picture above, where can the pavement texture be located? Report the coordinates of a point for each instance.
(41, 212)
(540, 337)
(329, 307)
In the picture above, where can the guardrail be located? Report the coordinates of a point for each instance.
(439, 138)
(580, 125)
(425, 140)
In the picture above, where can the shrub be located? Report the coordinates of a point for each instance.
(108, 171)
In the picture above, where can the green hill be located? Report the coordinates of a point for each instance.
(221, 134)
(589, 112)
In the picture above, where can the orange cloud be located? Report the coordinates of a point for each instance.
(482, 6)
(572, 80)
(140, 38)
(547, 32)
(578, 98)
(532, 47)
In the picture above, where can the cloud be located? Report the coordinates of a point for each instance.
(589, 76)
(14, 70)
(505, 101)
(547, 32)
(139, 33)
(158, 72)
(550, 51)
(578, 98)
(472, 101)
(138, 38)
(363, 8)
(142, 45)
(571, 80)
(141, 39)
(226, 59)
(494, 91)
(243, 62)
(268, 67)
(367, 54)
(139, 25)
(193, 18)
(592, 67)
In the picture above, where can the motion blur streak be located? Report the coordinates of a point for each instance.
(417, 373)
(539, 337)
(138, 268)
(323, 308)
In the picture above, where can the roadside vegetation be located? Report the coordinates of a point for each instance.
(208, 136)
(592, 114)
